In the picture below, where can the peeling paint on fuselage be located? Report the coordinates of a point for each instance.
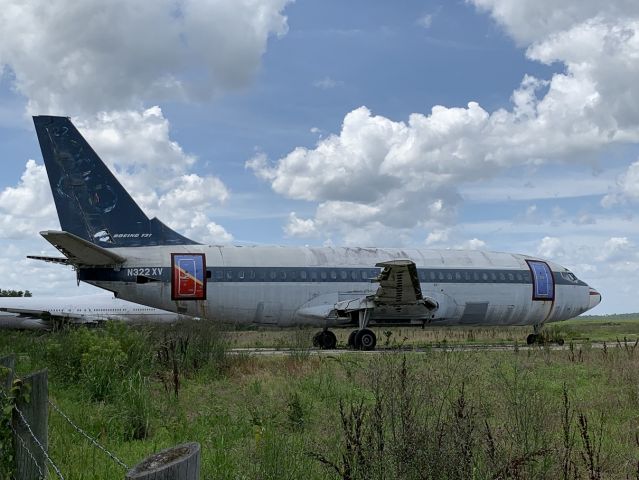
(249, 302)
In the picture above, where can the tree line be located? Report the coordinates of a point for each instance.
(15, 293)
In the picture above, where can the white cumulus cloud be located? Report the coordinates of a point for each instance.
(401, 174)
(28, 207)
(156, 171)
(71, 57)
(551, 248)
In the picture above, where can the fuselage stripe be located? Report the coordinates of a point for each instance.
(221, 274)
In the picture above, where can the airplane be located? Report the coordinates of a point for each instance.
(40, 313)
(112, 244)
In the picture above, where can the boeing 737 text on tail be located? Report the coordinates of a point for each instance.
(112, 244)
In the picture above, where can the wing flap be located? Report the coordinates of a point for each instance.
(398, 283)
(80, 252)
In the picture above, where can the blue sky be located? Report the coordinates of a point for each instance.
(496, 124)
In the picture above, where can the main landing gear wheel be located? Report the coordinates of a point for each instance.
(351, 339)
(363, 339)
(539, 338)
(326, 340)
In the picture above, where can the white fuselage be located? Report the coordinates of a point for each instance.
(285, 285)
(43, 313)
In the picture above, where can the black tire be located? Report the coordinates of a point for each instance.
(351, 339)
(365, 339)
(531, 339)
(329, 340)
(560, 342)
(317, 339)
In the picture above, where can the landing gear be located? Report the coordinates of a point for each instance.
(541, 338)
(326, 340)
(363, 338)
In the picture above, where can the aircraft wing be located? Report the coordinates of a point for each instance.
(27, 313)
(398, 287)
(398, 283)
(80, 252)
(33, 319)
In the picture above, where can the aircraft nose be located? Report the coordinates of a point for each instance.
(595, 298)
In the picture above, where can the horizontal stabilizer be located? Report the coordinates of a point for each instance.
(58, 260)
(80, 252)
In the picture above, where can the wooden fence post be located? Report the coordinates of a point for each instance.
(176, 463)
(30, 460)
(8, 362)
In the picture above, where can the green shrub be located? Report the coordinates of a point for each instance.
(102, 368)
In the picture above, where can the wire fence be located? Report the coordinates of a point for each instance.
(29, 447)
(93, 441)
(38, 443)
(29, 424)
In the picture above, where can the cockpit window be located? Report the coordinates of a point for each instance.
(569, 276)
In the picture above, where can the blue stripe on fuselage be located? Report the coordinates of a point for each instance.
(316, 274)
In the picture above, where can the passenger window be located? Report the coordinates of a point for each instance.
(229, 275)
(273, 274)
(314, 275)
(240, 275)
(484, 276)
(476, 276)
(493, 276)
(303, 274)
(354, 275)
(519, 277)
(364, 275)
(343, 275)
(282, 275)
(293, 275)
(333, 275)
(441, 275)
(449, 276)
(219, 275)
(511, 277)
(252, 275)
(457, 276)
(432, 276)
(323, 275)
(502, 277)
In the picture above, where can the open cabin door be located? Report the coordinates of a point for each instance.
(543, 280)
(543, 289)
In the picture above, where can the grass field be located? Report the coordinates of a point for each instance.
(593, 329)
(440, 414)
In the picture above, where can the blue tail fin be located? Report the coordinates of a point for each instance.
(91, 203)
